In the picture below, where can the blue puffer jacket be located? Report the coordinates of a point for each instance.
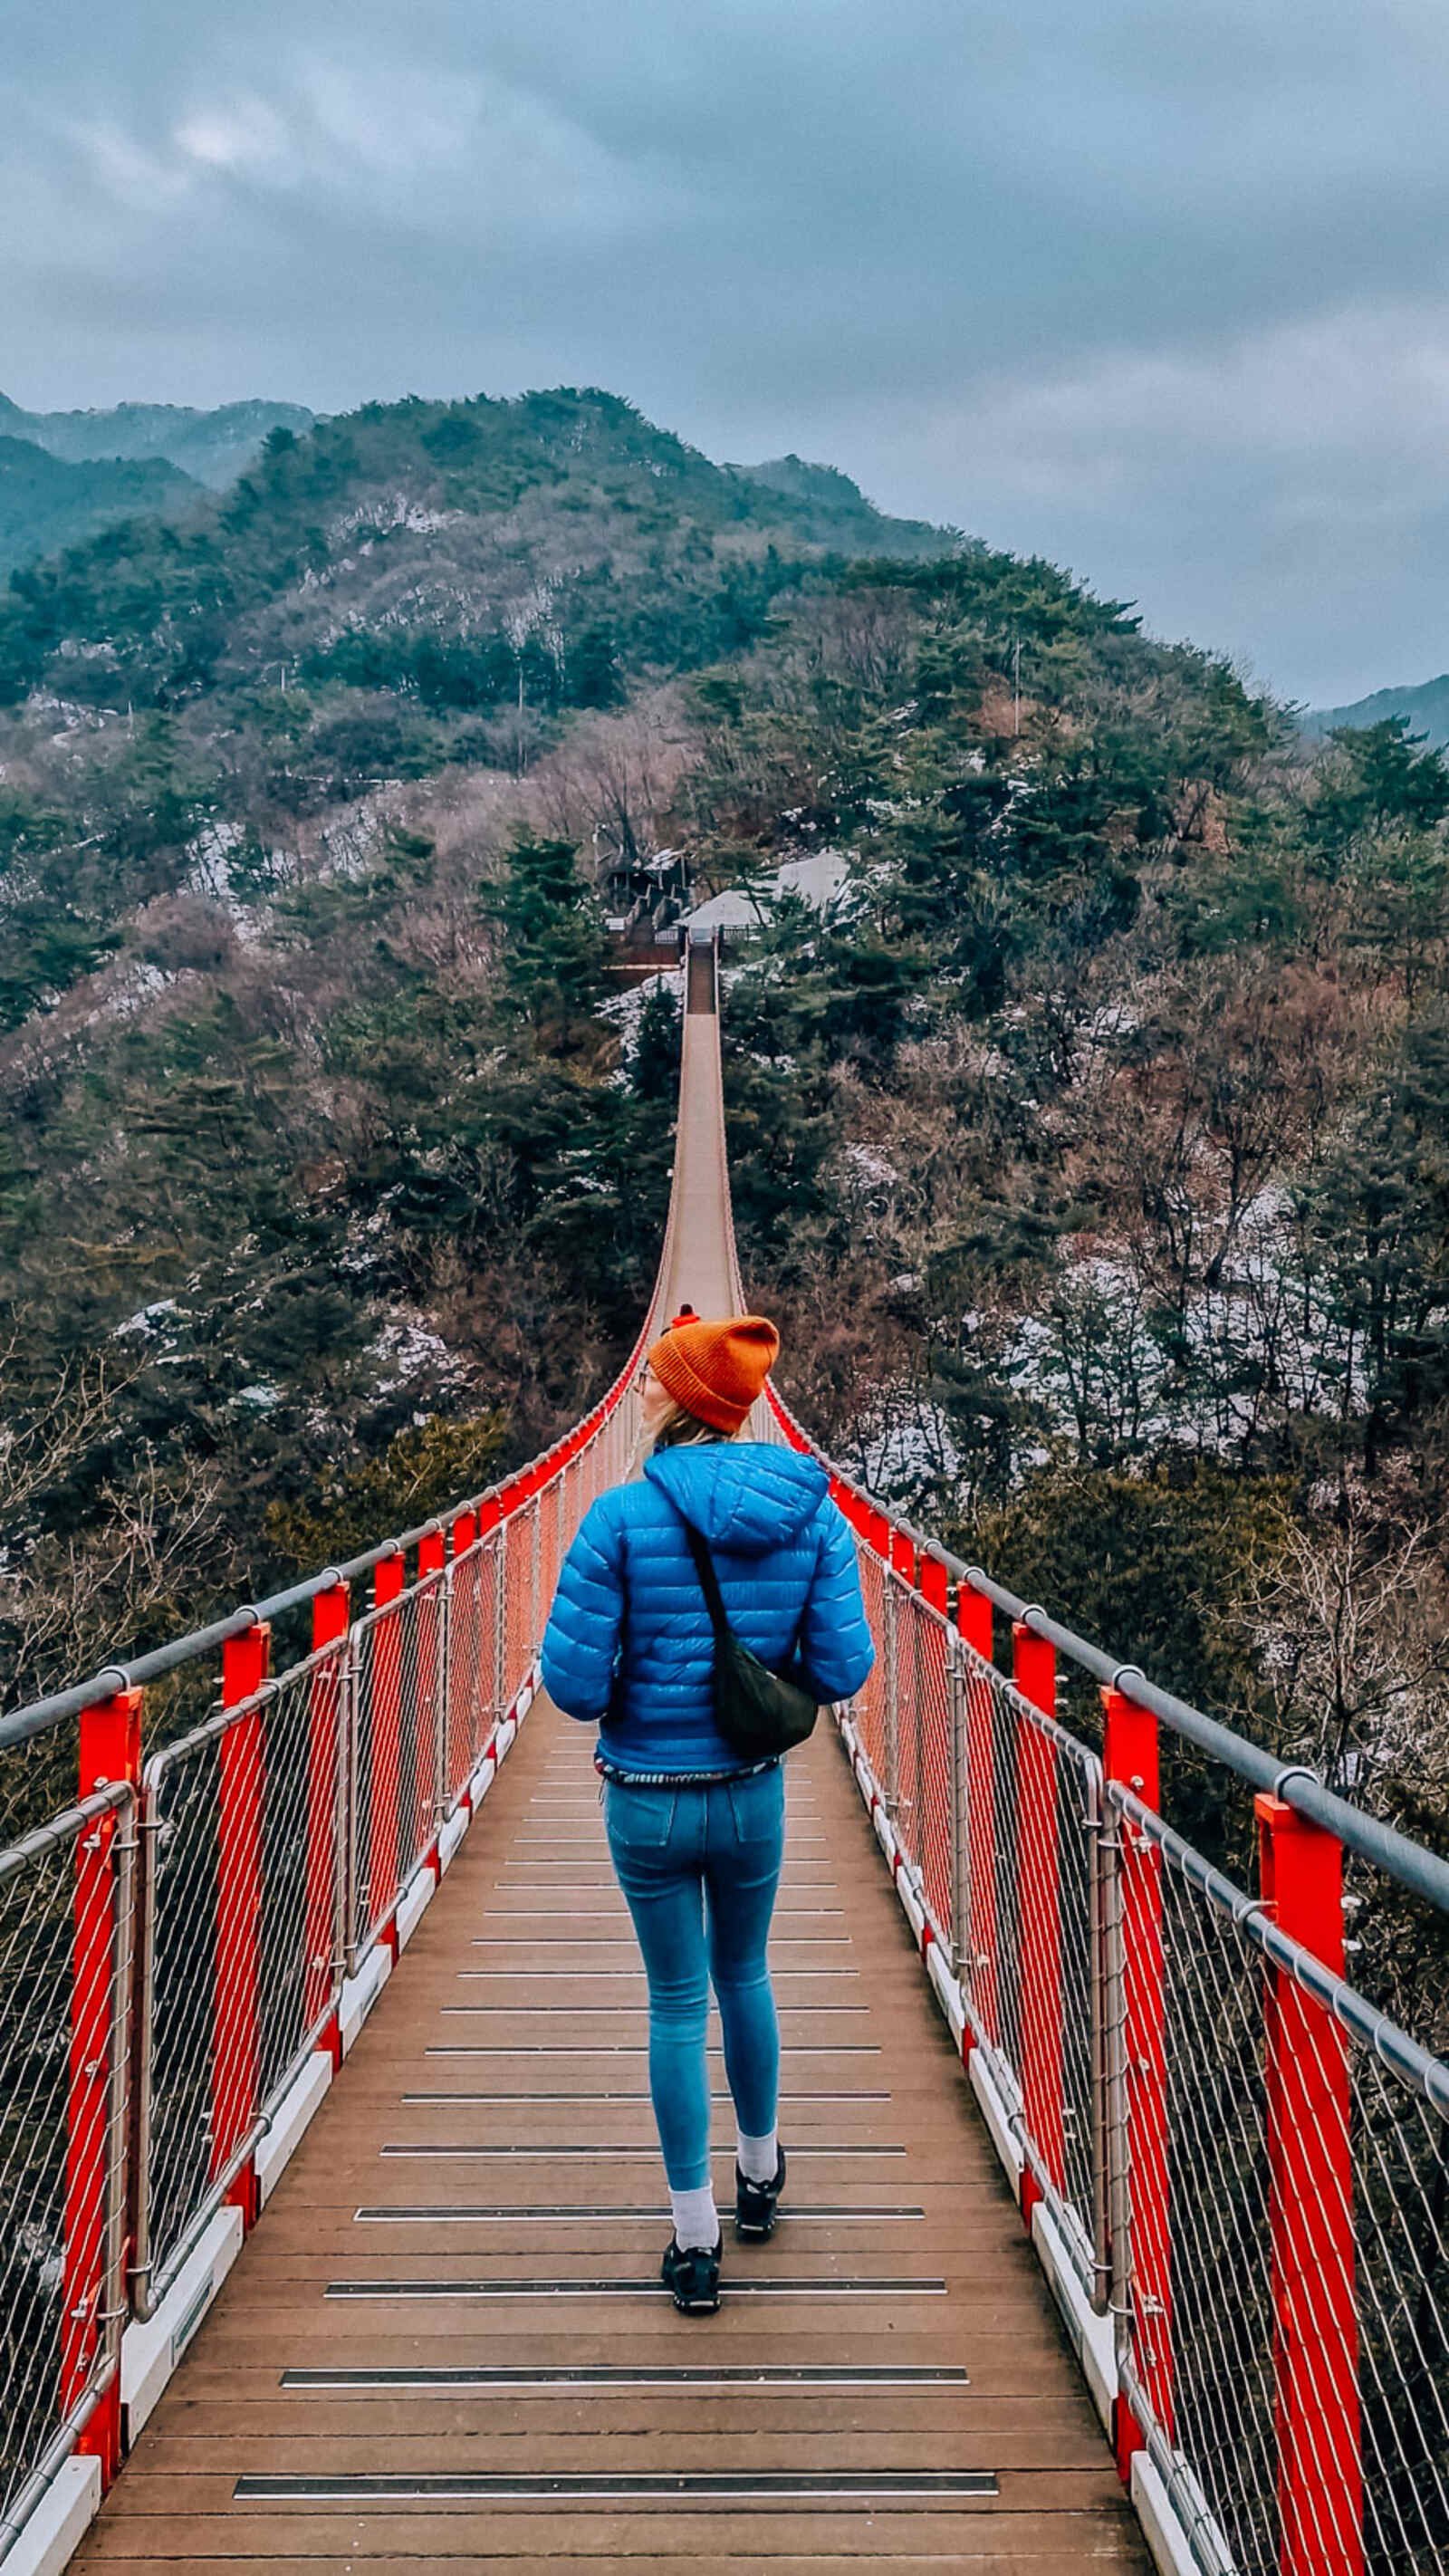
(629, 1645)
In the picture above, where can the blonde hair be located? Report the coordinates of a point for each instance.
(682, 1429)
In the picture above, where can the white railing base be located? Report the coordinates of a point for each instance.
(414, 1901)
(1091, 2335)
(1171, 2549)
(997, 2118)
(150, 2352)
(290, 2121)
(361, 1992)
(450, 1834)
(58, 2522)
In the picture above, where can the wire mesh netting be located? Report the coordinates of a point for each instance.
(875, 1704)
(1288, 2223)
(520, 1535)
(1028, 1954)
(244, 1819)
(549, 1507)
(995, 1809)
(38, 1779)
(573, 1502)
(472, 1694)
(925, 1660)
(1401, 2227)
(65, 1950)
(397, 1749)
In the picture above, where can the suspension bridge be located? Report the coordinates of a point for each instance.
(330, 2209)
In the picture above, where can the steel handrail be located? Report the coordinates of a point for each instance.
(1411, 1864)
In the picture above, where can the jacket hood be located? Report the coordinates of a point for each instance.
(746, 1496)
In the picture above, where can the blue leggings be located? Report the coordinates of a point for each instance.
(699, 1868)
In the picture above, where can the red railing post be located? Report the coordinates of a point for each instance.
(110, 1753)
(1130, 1756)
(236, 2056)
(980, 1965)
(492, 1648)
(331, 1613)
(465, 1664)
(1311, 2213)
(935, 1583)
(1038, 1884)
(905, 1677)
(428, 1798)
(940, 1836)
(385, 1784)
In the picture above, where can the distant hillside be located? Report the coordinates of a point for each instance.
(1426, 707)
(46, 504)
(837, 510)
(213, 447)
(465, 557)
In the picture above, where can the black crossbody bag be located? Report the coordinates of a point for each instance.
(762, 1714)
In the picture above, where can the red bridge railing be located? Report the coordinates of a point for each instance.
(177, 1946)
(1236, 2169)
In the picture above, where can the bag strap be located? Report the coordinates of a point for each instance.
(708, 1581)
(704, 1566)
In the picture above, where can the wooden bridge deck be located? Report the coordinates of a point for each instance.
(445, 2342)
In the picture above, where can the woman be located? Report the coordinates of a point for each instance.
(695, 1832)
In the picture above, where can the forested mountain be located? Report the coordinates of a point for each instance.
(1425, 709)
(45, 504)
(314, 1142)
(1093, 1144)
(212, 447)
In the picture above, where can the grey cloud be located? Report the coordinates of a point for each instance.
(1157, 288)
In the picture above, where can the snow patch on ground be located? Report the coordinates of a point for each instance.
(870, 1166)
(815, 879)
(147, 1319)
(394, 510)
(624, 1010)
(908, 1451)
(131, 988)
(1106, 1358)
(407, 1350)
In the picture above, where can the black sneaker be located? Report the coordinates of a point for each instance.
(690, 2273)
(755, 2204)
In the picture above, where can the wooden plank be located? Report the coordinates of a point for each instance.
(1054, 2541)
(1104, 2552)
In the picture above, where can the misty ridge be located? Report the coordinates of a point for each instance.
(1089, 1120)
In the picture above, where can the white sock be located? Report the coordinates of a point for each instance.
(696, 2220)
(758, 2158)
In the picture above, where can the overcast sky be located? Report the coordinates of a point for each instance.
(1161, 290)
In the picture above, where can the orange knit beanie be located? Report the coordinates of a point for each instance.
(717, 1370)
